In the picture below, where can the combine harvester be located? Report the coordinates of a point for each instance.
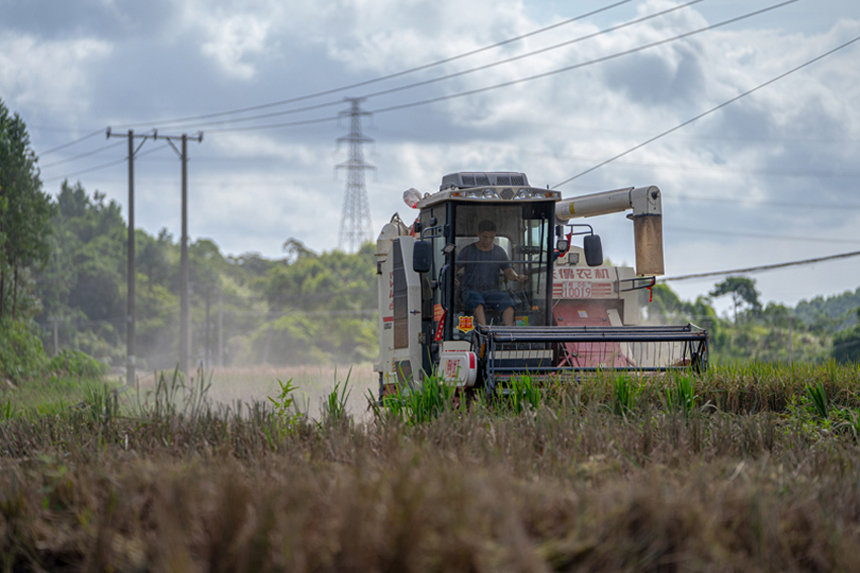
(553, 308)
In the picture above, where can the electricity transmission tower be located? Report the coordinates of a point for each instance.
(355, 223)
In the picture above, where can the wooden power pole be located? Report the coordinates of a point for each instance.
(131, 360)
(184, 307)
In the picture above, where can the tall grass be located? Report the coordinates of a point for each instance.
(418, 407)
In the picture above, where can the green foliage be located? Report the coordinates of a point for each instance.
(832, 314)
(772, 333)
(743, 291)
(682, 396)
(335, 405)
(818, 396)
(846, 344)
(626, 392)
(305, 309)
(286, 409)
(21, 354)
(76, 363)
(8, 409)
(333, 281)
(417, 407)
(523, 394)
(667, 308)
(25, 212)
(101, 404)
(175, 396)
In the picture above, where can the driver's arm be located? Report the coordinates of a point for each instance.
(512, 275)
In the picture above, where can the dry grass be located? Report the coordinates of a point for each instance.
(570, 485)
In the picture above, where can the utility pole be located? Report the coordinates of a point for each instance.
(355, 224)
(206, 354)
(184, 307)
(56, 322)
(130, 310)
(220, 327)
(790, 339)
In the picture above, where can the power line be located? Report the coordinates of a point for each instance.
(103, 166)
(713, 109)
(525, 79)
(65, 145)
(761, 236)
(83, 171)
(389, 76)
(82, 155)
(275, 125)
(590, 62)
(739, 203)
(760, 268)
(457, 74)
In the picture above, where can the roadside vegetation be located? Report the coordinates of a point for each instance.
(747, 468)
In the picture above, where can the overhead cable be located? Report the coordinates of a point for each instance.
(760, 268)
(710, 232)
(65, 145)
(455, 74)
(590, 62)
(742, 203)
(103, 166)
(522, 80)
(389, 76)
(81, 156)
(712, 110)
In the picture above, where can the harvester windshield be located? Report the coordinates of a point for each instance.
(501, 263)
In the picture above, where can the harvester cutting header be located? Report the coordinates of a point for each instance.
(486, 285)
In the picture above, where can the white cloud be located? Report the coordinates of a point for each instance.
(235, 34)
(51, 75)
(233, 38)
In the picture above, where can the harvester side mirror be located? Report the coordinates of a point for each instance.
(593, 250)
(422, 256)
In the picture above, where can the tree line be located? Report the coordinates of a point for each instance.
(63, 271)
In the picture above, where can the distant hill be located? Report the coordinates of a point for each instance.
(839, 312)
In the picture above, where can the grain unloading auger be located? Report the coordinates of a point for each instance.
(486, 285)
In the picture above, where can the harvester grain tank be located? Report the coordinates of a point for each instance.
(551, 308)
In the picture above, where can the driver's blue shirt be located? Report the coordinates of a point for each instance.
(481, 268)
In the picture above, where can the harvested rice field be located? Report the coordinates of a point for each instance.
(753, 468)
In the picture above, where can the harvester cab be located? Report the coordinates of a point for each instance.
(486, 285)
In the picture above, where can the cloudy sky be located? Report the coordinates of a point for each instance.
(770, 178)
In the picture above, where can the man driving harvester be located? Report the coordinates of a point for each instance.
(480, 263)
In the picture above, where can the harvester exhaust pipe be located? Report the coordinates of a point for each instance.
(647, 216)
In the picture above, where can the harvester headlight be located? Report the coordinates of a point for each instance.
(475, 194)
(490, 194)
(524, 194)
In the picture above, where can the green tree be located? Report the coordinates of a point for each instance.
(83, 283)
(846, 344)
(742, 290)
(25, 210)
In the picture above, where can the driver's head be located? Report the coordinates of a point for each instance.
(486, 231)
(486, 226)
